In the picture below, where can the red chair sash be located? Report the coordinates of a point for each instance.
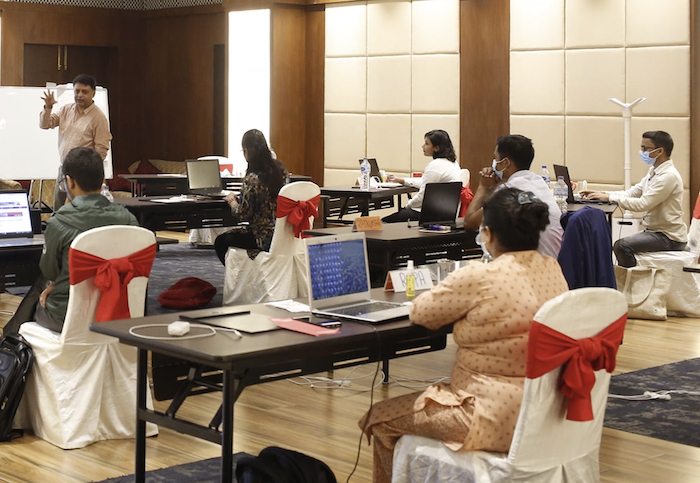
(549, 349)
(465, 199)
(111, 278)
(298, 212)
(696, 210)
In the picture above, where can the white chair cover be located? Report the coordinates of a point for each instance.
(464, 176)
(275, 275)
(683, 297)
(546, 447)
(82, 387)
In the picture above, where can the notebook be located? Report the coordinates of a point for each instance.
(440, 204)
(16, 220)
(204, 177)
(338, 280)
(563, 171)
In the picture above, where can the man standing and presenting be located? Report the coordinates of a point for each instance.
(87, 209)
(81, 124)
(659, 194)
(511, 168)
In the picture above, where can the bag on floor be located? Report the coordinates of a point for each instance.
(16, 358)
(645, 289)
(282, 466)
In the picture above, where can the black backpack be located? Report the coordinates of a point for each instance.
(282, 466)
(16, 358)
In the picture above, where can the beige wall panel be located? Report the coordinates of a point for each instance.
(536, 25)
(389, 28)
(671, 22)
(537, 82)
(429, 15)
(597, 23)
(592, 77)
(389, 84)
(594, 149)
(421, 124)
(435, 84)
(344, 140)
(547, 134)
(346, 30)
(389, 140)
(334, 177)
(662, 75)
(346, 85)
(678, 128)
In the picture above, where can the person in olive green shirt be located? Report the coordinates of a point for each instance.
(47, 301)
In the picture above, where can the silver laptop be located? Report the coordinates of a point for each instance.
(204, 177)
(16, 220)
(338, 280)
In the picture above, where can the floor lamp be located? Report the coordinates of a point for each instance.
(627, 118)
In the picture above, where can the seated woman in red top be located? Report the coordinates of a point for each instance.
(257, 202)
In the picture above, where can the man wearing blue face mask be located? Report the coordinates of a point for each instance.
(659, 194)
(510, 168)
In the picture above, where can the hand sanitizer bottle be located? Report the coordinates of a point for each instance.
(410, 281)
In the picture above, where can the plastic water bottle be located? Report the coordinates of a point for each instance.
(364, 174)
(410, 281)
(561, 193)
(105, 192)
(545, 175)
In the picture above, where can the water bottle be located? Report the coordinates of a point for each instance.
(410, 281)
(545, 175)
(561, 193)
(365, 168)
(105, 192)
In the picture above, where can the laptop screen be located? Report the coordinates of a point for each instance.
(337, 268)
(560, 170)
(440, 203)
(203, 174)
(15, 219)
(373, 167)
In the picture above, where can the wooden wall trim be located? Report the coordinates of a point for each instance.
(484, 80)
(315, 68)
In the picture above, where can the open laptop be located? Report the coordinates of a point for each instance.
(15, 220)
(440, 204)
(204, 177)
(373, 167)
(563, 171)
(338, 280)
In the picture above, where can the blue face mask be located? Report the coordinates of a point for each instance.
(646, 157)
(499, 174)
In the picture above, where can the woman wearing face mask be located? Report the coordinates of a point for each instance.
(659, 194)
(442, 169)
(491, 306)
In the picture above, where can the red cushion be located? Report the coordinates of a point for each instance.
(187, 293)
(145, 167)
(119, 184)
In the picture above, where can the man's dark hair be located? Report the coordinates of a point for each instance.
(85, 79)
(661, 139)
(84, 165)
(517, 148)
(516, 218)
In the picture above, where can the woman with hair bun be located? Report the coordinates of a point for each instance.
(491, 306)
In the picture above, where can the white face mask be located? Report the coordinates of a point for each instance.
(486, 257)
(499, 174)
(646, 157)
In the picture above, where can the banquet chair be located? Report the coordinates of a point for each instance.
(467, 194)
(683, 296)
(280, 273)
(82, 388)
(557, 438)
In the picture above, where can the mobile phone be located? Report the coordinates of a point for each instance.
(322, 321)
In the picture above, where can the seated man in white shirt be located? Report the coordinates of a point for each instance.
(511, 168)
(659, 194)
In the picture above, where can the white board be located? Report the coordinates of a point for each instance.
(26, 151)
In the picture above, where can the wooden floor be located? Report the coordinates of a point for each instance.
(322, 422)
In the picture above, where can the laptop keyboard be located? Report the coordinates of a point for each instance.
(367, 308)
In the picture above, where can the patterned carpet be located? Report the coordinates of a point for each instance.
(207, 471)
(180, 260)
(676, 420)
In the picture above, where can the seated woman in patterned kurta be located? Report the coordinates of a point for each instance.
(491, 306)
(257, 203)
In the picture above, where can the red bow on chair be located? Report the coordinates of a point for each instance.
(549, 349)
(298, 212)
(111, 278)
(465, 198)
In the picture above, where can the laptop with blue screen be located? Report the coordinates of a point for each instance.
(338, 280)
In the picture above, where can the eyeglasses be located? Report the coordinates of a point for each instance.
(648, 149)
